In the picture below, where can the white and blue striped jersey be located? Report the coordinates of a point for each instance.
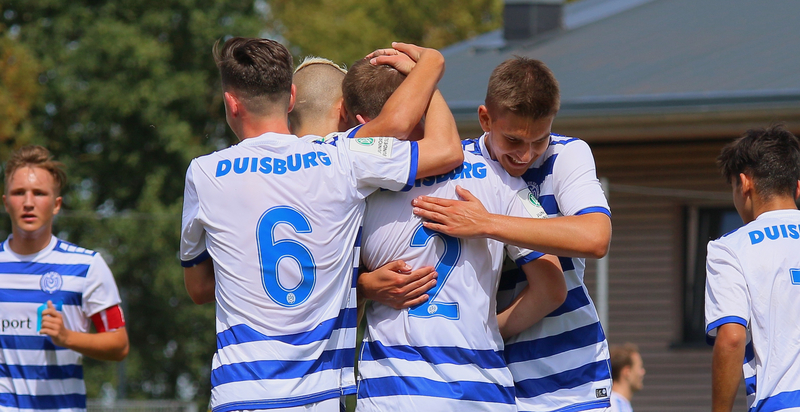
(753, 279)
(562, 362)
(35, 374)
(281, 218)
(446, 354)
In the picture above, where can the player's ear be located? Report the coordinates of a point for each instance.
(292, 96)
(745, 183)
(796, 192)
(362, 119)
(232, 104)
(484, 118)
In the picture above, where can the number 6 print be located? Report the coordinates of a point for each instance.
(452, 251)
(271, 252)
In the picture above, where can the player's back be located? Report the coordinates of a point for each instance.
(445, 354)
(760, 264)
(281, 219)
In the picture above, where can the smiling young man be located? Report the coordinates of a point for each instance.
(561, 363)
(50, 290)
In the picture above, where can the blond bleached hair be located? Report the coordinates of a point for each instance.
(309, 60)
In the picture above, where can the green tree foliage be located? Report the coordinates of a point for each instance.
(18, 91)
(345, 30)
(129, 95)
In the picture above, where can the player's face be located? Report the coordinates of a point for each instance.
(637, 372)
(515, 141)
(31, 201)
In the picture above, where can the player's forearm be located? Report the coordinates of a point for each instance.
(200, 282)
(440, 150)
(112, 346)
(405, 108)
(545, 292)
(586, 236)
(726, 366)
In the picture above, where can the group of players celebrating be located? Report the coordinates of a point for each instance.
(385, 184)
(369, 193)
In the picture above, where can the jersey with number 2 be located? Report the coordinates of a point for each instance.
(280, 217)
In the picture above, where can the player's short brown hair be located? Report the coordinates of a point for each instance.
(258, 71)
(524, 87)
(367, 87)
(771, 157)
(36, 156)
(621, 356)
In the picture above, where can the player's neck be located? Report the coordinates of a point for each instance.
(28, 243)
(256, 126)
(774, 203)
(622, 390)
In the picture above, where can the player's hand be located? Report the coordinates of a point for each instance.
(396, 285)
(53, 325)
(459, 218)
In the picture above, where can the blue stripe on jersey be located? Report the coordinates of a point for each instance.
(719, 322)
(282, 369)
(28, 342)
(76, 401)
(38, 296)
(562, 142)
(472, 145)
(576, 299)
(277, 403)
(412, 171)
(750, 385)
(510, 278)
(583, 406)
(749, 352)
(36, 269)
(592, 372)
(196, 261)
(549, 204)
(41, 372)
(530, 257)
(358, 238)
(410, 386)
(594, 209)
(552, 345)
(783, 400)
(242, 333)
(538, 174)
(436, 355)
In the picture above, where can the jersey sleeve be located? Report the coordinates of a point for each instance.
(380, 162)
(522, 203)
(100, 290)
(575, 185)
(193, 235)
(727, 300)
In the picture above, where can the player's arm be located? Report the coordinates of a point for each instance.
(106, 345)
(586, 235)
(545, 292)
(726, 366)
(396, 285)
(440, 150)
(200, 282)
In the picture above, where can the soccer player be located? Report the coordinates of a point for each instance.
(50, 291)
(627, 372)
(753, 276)
(445, 354)
(561, 363)
(271, 227)
(318, 104)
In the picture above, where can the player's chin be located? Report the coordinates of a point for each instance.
(514, 168)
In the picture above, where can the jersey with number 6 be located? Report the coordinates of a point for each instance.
(446, 354)
(280, 217)
(753, 279)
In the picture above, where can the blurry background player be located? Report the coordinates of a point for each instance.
(49, 291)
(318, 102)
(271, 227)
(561, 363)
(627, 372)
(753, 276)
(445, 354)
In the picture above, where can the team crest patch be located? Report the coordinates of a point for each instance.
(51, 282)
(531, 204)
(601, 393)
(380, 146)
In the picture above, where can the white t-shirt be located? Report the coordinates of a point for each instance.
(445, 354)
(753, 279)
(34, 373)
(620, 403)
(562, 362)
(281, 217)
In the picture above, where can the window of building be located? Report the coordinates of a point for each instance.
(702, 225)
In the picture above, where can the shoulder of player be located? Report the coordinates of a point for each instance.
(62, 246)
